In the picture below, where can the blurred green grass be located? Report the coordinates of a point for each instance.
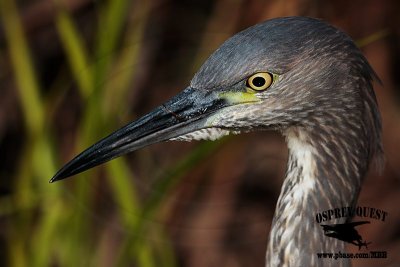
(48, 228)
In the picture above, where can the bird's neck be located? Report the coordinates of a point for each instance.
(317, 179)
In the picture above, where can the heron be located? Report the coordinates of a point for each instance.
(299, 76)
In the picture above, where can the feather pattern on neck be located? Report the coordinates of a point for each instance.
(295, 235)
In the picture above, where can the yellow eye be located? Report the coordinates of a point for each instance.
(259, 81)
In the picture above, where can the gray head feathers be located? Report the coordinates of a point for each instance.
(323, 79)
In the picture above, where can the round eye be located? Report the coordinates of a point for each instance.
(259, 81)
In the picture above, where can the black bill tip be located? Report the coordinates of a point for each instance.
(184, 113)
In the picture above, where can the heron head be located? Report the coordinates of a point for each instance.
(277, 74)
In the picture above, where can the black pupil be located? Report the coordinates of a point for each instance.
(258, 81)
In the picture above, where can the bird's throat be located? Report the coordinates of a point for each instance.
(311, 185)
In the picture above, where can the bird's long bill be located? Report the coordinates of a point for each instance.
(184, 113)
